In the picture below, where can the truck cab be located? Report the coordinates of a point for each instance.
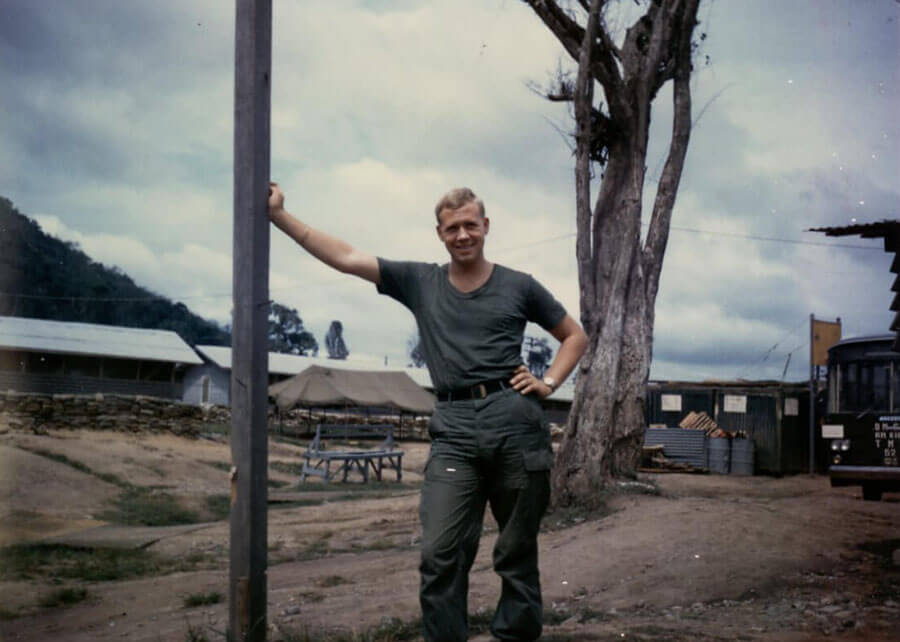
(862, 425)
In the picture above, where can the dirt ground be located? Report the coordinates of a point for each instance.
(675, 557)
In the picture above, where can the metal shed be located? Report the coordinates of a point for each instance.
(774, 414)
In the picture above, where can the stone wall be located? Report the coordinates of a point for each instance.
(29, 411)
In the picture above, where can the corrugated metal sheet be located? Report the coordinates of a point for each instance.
(760, 422)
(691, 401)
(688, 446)
(91, 339)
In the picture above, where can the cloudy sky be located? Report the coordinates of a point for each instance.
(117, 134)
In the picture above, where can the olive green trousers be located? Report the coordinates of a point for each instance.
(488, 451)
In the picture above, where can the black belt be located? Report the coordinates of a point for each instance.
(478, 391)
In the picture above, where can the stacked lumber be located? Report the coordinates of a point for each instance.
(702, 421)
(699, 421)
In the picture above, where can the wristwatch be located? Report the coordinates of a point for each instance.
(550, 382)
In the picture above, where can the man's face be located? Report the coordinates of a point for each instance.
(462, 231)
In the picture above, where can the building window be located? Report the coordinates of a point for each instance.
(13, 360)
(82, 366)
(120, 368)
(204, 389)
(156, 371)
(45, 363)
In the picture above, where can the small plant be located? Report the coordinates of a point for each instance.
(195, 633)
(202, 599)
(140, 506)
(219, 465)
(310, 596)
(63, 597)
(333, 580)
(7, 615)
(219, 506)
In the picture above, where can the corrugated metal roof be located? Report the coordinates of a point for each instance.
(878, 229)
(291, 364)
(65, 337)
(875, 338)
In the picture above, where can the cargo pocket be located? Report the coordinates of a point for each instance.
(538, 460)
(537, 468)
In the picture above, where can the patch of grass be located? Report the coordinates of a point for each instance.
(218, 506)
(390, 630)
(380, 544)
(287, 467)
(277, 483)
(218, 465)
(310, 596)
(195, 633)
(217, 428)
(24, 562)
(567, 516)
(358, 487)
(8, 615)
(142, 506)
(202, 599)
(77, 465)
(333, 580)
(63, 597)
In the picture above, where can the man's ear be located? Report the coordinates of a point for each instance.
(487, 224)
(437, 228)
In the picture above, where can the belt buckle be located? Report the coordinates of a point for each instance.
(482, 390)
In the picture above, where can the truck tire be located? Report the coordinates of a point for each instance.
(871, 492)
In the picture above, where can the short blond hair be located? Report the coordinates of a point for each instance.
(456, 198)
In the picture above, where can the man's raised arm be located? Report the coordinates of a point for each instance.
(333, 252)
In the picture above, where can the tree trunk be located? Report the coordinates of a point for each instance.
(618, 276)
(606, 422)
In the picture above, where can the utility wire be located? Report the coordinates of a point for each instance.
(552, 239)
(759, 361)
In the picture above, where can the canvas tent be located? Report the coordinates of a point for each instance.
(318, 386)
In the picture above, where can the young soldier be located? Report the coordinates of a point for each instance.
(490, 443)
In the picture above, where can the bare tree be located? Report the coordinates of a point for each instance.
(334, 341)
(618, 275)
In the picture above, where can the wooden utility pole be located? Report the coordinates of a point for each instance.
(249, 336)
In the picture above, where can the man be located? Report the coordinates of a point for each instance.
(490, 443)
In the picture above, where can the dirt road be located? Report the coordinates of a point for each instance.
(675, 557)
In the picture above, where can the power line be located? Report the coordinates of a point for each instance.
(759, 361)
(553, 239)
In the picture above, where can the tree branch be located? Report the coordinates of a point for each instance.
(571, 35)
(658, 234)
(566, 30)
(584, 102)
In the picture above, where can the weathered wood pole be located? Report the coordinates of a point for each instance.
(249, 336)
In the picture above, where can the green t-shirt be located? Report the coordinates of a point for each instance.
(469, 337)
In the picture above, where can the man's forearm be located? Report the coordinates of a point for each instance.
(570, 350)
(330, 250)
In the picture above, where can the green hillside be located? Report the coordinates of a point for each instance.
(46, 278)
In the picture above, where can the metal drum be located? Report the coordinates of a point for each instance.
(719, 455)
(742, 451)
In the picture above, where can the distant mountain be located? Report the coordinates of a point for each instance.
(46, 278)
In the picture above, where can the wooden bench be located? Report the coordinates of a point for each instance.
(318, 457)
